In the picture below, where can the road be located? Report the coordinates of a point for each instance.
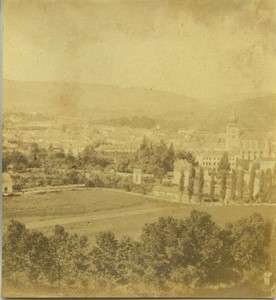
(92, 217)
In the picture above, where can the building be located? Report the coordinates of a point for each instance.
(6, 184)
(211, 159)
(251, 145)
(232, 133)
(255, 145)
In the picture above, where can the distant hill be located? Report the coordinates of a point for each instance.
(98, 101)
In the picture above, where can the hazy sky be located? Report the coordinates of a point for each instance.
(200, 48)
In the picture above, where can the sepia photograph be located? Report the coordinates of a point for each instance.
(139, 148)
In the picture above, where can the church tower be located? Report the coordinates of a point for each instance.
(232, 132)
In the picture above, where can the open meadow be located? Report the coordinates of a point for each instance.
(90, 211)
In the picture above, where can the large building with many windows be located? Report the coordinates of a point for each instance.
(251, 145)
(211, 159)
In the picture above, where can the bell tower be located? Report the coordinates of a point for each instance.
(232, 132)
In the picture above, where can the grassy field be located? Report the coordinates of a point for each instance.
(90, 211)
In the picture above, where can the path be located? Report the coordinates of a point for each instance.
(92, 217)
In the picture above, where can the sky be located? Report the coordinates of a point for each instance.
(200, 48)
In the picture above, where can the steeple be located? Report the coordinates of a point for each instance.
(233, 117)
(232, 132)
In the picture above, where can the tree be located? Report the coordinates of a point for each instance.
(261, 186)
(185, 155)
(224, 163)
(166, 157)
(268, 184)
(251, 184)
(70, 159)
(233, 185)
(158, 240)
(240, 184)
(250, 237)
(191, 183)
(212, 186)
(128, 261)
(17, 159)
(204, 246)
(223, 185)
(181, 184)
(200, 185)
(169, 158)
(14, 249)
(39, 257)
(103, 258)
(58, 244)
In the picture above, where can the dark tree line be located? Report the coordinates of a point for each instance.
(156, 159)
(191, 252)
(133, 122)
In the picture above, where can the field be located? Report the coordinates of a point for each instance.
(90, 211)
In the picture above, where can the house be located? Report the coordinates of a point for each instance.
(6, 184)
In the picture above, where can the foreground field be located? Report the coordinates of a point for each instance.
(90, 211)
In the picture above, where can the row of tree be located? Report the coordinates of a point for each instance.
(191, 252)
(239, 189)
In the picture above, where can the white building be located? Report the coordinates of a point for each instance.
(211, 159)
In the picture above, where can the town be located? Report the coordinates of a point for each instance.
(185, 165)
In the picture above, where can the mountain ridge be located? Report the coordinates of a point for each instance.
(98, 101)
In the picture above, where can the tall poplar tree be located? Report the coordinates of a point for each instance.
(191, 183)
(240, 185)
(224, 163)
(223, 185)
(251, 184)
(261, 186)
(233, 185)
(212, 186)
(200, 185)
(181, 184)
